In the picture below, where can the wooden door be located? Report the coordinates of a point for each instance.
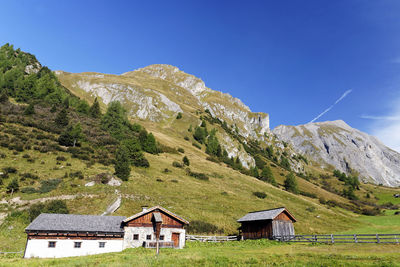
(175, 239)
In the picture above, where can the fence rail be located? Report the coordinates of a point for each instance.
(204, 238)
(11, 252)
(355, 238)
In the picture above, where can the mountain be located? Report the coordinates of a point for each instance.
(346, 149)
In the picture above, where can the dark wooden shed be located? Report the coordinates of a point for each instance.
(267, 224)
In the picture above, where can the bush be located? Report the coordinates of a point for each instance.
(13, 186)
(61, 158)
(197, 175)
(174, 181)
(166, 170)
(53, 206)
(186, 138)
(28, 190)
(307, 194)
(29, 175)
(371, 212)
(181, 150)
(9, 170)
(177, 164)
(310, 209)
(179, 116)
(159, 180)
(196, 145)
(260, 194)
(77, 174)
(49, 185)
(186, 161)
(201, 227)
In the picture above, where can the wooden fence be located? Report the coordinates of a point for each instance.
(355, 238)
(203, 238)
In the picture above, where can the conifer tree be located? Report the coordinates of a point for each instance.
(267, 175)
(62, 118)
(291, 183)
(30, 109)
(3, 96)
(122, 163)
(95, 111)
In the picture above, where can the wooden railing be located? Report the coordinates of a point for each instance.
(355, 238)
(163, 244)
(203, 238)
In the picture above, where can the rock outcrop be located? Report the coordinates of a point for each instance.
(336, 143)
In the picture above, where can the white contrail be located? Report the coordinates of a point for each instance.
(383, 118)
(337, 101)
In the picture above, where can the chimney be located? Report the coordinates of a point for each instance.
(144, 208)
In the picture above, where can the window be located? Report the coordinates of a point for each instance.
(148, 237)
(161, 237)
(102, 244)
(52, 244)
(135, 237)
(77, 244)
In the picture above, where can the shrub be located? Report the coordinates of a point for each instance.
(371, 212)
(61, 158)
(9, 170)
(28, 190)
(174, 181)
(166, 170)
(186, 161)
(77, 174)
(310, 209)
(30, 109)
(267, 176)
(53, 206)
(213, 159)
(181, 150)
(197, 175)
(159, 180)
(177, 164)
(260, 194)
(49, 185)
(197, 227)
(29, 175)
(13, 186)
(186, 138)
(179, 116)
(26, 156)
(2, 156)
(196, 145)
(307, 194)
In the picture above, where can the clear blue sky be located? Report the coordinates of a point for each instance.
(291, 59)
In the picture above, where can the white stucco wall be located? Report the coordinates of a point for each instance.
(144, 231)
(65, 248)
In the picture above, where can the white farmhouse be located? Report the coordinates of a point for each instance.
(65, 235)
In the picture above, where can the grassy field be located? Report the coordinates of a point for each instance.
(243, 253)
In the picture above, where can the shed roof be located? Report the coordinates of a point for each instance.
(137, 215)
(76, 223)
(265, 215)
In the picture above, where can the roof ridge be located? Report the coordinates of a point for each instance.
(267, 210)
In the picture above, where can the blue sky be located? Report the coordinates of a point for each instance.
(292, 59)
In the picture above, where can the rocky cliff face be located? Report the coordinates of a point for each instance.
(346, 148)
(159, 92)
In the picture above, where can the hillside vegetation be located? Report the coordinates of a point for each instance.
(55, 142)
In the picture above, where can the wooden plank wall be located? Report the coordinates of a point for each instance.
(145, 221)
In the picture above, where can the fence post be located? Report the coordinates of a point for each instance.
(332, 239)
(355, 238)
(397, 240)
(377, 238)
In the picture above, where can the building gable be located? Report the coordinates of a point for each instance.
(146, 220)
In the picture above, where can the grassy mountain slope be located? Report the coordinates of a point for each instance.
(45, 170)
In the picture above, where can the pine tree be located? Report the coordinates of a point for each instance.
(115, 121)
(254, 172)
(122, 163)
(3, 96)
(71, 136)
(30, 109)
(150, 144)
(267, 175)
(179, 116)
(135, 153)
(62, 118)
(291, 183)
(94, 110)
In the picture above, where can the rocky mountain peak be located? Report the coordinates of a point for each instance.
(347, 149)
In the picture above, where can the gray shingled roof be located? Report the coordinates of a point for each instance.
(76, 223)
(261, 215)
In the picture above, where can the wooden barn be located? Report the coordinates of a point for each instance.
(267, 224)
